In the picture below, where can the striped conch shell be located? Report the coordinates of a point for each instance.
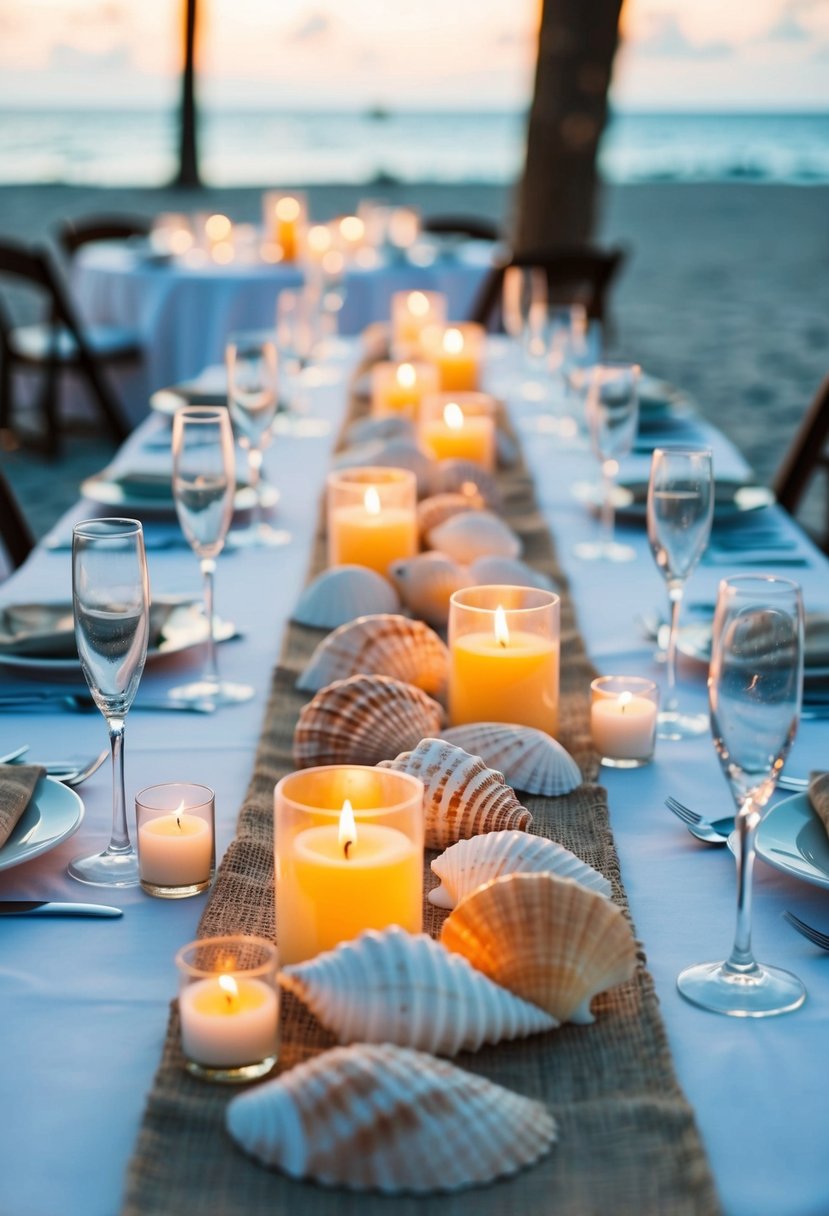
(493, 570)
(547, 939)
(462, 796)
(426, 583)
(384, 644)
(474, 534)
(530, 759)
(390, 1119)
(396, 987)
(362, 720)
(465, 477)
(342, 593)
(467, 865)
(440, 507)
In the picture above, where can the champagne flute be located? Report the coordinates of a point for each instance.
(755, 686)
(612, 409)
(296, 323)
(204, 485)
(680, 512)
(111, 605)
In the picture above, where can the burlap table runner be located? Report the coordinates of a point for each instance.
(628, 1141)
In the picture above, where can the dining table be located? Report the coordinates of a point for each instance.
(86, 1001)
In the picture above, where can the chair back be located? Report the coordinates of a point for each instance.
(15, 533)
(806, 456)
(73, 233)
(579, 275)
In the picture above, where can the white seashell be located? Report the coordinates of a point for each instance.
(474, 534)
(387, 1118)
(547, 939)
(530, 759)
(342, 593)
(465, 477)
(363, 720)
(438, 507)
(396, 987)
(492, 570)
(400, 453)
(467, 865)
(384, 644)
(378, 430)
(425, 584)
(462, 796)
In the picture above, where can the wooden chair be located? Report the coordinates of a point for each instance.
(807, 456)
(582, 275)
(57, 345)
(15, 534)
(472, 226)
(71, 234)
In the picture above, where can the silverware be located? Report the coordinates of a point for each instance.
(34, 907)
(83, 703)
(79, 775)
(716, 831)
(15, 755)
(814, 935)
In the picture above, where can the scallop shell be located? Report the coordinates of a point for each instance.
(547, 939)
(400, 453)
(362, 720)
(474, 534)
(378, 430)
(467, 865)
(439, 507)
(342, 593)
(492, 570)
(425, 584)
(465, 477)
(396, 987)
(463, 797)
(384, 644)
(387, 1118)
(530, 759)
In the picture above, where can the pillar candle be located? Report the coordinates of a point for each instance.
(370, 534)
(175, 850)
(623, 727)
(398, 388)
(227, 1021)
(456, 352)
(459, 430)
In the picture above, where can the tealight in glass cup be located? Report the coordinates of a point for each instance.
(229, 1007)
(372, 517)
(176, 839)
(623, 714)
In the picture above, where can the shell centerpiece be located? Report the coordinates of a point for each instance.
(426, 583)
(474, 534)
(342, 593)
(383, 644)
(465, 477)
(370, 1117)
(380, 430)
(440, 507)
(399, 452)
(492, 570)
(530, 759)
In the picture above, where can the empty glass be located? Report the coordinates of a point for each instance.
(297, 323)
(612, 409)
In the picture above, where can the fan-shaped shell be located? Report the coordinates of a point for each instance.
(378, 430)
(386, 1118)
(530, 759)
(462, 796)
(399, 453)
(547, 939)
(342, 593)
(397, 987)
(426, 582)
(492, 570)
(465, 477)
(474, 534)
(467, 865)
(362, 720)
(439, 507)
(385, 644)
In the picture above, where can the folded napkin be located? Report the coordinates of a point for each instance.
(17, 784)
(819, 796)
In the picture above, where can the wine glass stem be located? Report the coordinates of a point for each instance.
(211, 670)
(120, 838)
(675, 590)
(255, 468)
(741, 958)
(609, 468)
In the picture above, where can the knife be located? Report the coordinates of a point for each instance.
(34, 907)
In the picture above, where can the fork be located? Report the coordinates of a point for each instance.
(814, 935)
(716, 831)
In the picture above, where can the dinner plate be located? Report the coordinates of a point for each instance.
(792, 838)
(694, 641)
(147, 494)
(732, 498)
(167, 400)
(53, 815)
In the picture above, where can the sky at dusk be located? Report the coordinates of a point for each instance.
(677, 54)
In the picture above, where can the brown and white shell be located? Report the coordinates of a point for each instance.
(379, 1117)
(530, 759)
(467, 865)
(547, 939)
(362, 720)
(397, 987)
(342, 593)
(465, 477)
(398, 453)
(378, 430)
(492, 570)
(439, 507)
(385, 644)
(425, 584)
(472, 535)
(462, 796)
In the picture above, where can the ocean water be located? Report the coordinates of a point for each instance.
(238, 148)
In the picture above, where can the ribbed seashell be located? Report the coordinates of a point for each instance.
(439, 507)
(425, 584)
(467, 865)
(547, 939)
(362, 720)
(379, 1117)
(530, 759)
(378, 430)
(492, 570)
(384, 644)
(403, 988)
(342, 593)
(474, 534)
(465, 477)
(399, 453)
(462, 796)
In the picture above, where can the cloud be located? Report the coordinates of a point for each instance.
(314, 28)
(71, 59)
(787, 29)
(665, 39)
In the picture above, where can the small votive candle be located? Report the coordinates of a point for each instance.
(399, 388)
(284, 221)
(229, 1007)
(372, 517)
(176, 839)
(457, 352)
(348, 845)
(411, 313)
(459, 426)
(623, 714)
(504, 656)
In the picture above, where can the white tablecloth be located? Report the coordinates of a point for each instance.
(85, 1003)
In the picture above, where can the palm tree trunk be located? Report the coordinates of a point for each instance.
(576, 45)
(188, 160)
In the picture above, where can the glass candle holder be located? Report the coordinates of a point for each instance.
(284, 222)
(398, 388)
(459, 426)
(176, 839)
(229, 1007)
(457, 352)
(504, 656)
(349, 856)
(411, 312)
(372, 517)
(623, 713)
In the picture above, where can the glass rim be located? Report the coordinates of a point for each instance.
(200, 413)
(472, 399)
(109, 527)
(684, 450)
(416, 788)
(615, 366)
(371, 474)
(172, 785)
(734, 582)
(189, 969)
(640, 683)
(551, 598)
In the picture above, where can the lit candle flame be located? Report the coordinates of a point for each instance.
(178, 812)
(406, 375)
(319, 239)
(453, 416)
(625, 699)
(287, 209)
(453, 341)
(418, 304)
(348, 828)
(501, 628)
(352, 228)
(371, 501)
(217, 227)
(230, 988)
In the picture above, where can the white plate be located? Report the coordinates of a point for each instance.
(791, 838)
(110, 493)
(53, 815)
